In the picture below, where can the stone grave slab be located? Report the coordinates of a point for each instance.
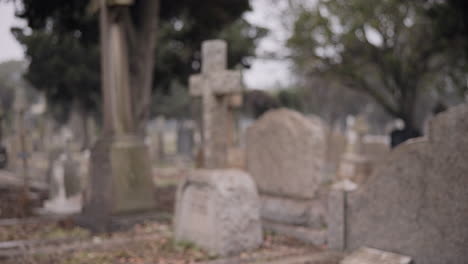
(218, 210)
(375, 256)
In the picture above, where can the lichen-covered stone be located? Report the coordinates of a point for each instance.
(416, 201)
(218, 210)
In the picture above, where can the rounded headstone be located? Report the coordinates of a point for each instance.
(286, 153)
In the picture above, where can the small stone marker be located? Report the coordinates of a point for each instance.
(375, 256)
(219, 211)
(220, 90)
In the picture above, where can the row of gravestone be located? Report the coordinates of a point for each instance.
(414, 203)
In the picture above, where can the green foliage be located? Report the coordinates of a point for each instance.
(386, 49)
(291, 98)
(257, 102)
(64, 52)
(64, 69)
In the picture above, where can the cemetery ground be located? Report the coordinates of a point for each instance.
(146, 238)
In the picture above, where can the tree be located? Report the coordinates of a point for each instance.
(385, 49)
(63, 45)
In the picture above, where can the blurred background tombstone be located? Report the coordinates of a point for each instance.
(185, 138)
(355, 166)
(3, 150)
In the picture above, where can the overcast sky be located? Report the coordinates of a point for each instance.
(264, 74)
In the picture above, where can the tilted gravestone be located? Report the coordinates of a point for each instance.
(217, 208)
(415, 202)
(286, 156)
(219, 211)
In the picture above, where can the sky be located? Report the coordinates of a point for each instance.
(264, 74)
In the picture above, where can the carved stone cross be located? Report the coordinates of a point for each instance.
(220, 90)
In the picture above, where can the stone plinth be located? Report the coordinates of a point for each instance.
(218, 210)
(122, 183)
(132, 185)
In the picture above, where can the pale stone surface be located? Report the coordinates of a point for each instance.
(286, 154)
(218, 210)
(374, 256)
(336, 220)
(132, 180)
(416, 203)
(220, 90)
(307, 213)
(314, 236)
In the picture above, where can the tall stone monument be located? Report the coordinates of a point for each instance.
(217, 208)
(220, 90)
(120, 181)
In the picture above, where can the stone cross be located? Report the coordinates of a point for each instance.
(220, 90)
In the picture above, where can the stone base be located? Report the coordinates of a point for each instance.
(304, 219)
(309, 213)
(132, 184)
(119, 183)
(218, 210)
(313, 236)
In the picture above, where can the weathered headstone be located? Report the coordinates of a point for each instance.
(375, 256)
(220, 90)
(218, 208)
(286, 156)
(219, 211)
(286, 153)
(415, 203)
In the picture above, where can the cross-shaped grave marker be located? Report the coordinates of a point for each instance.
(220, 90)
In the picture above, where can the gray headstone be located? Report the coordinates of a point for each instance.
(416, 202)
(286, 154)
(220, 90)
(375, 256)
(218, 210)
